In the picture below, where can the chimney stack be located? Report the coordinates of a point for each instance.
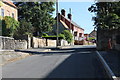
(63, 12)
(69, 16)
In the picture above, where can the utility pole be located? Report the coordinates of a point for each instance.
(71, 26)
(70, 21)
(57, 23)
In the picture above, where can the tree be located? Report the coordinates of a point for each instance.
(107, 15)
(39, 14)
(9, 26)
(0, 27)
(68, 36)
(1, 3)
(25, 28)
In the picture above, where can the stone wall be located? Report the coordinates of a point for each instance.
(34, 42)
(106, 36)
(7, 43)
(116, 40)
(11, 43)
(38, 42)
(102, 39)
(64, 43)
(117, 47)
(0, 43)
(20, 44)
(51, 43)
(24, 37)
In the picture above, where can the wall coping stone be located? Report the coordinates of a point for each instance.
(6, 37)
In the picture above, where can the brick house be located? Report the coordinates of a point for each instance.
(86, 37)
(7, 8)
(68, 24)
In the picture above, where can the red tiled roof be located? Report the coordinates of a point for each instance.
(9, 2)
(75, 24)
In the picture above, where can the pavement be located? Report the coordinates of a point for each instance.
(11, 56)
(75, 62)
(34, 50)
(8, 56)
(111, 62)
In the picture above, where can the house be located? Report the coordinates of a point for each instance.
(7, 8)
(93, 34)
(69, 24)
(86, 37)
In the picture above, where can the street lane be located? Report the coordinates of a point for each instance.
(75, 62)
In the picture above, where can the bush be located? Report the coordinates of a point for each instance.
(68, 36)
(44, 35)
(9, 26)
(0, 27)
(91, 38)
(62, 35)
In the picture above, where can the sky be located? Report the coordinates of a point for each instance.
(80, 14)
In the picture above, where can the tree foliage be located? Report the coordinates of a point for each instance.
(1, 3)
(25, 28)
(39, 14)
(0, 27)
(9, 26)
(107, 15)
(68, 36)
(62, 35)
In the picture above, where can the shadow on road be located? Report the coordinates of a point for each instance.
(58, 51)
(79, 66)
(113, 60)
(82, 64)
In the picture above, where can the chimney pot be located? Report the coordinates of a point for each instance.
(70, 16)
(63, 12)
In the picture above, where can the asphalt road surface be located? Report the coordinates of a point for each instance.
(75, 62)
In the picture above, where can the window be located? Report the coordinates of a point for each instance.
(75, 33)
(2, 12)
(80, 34)
(13, 15)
